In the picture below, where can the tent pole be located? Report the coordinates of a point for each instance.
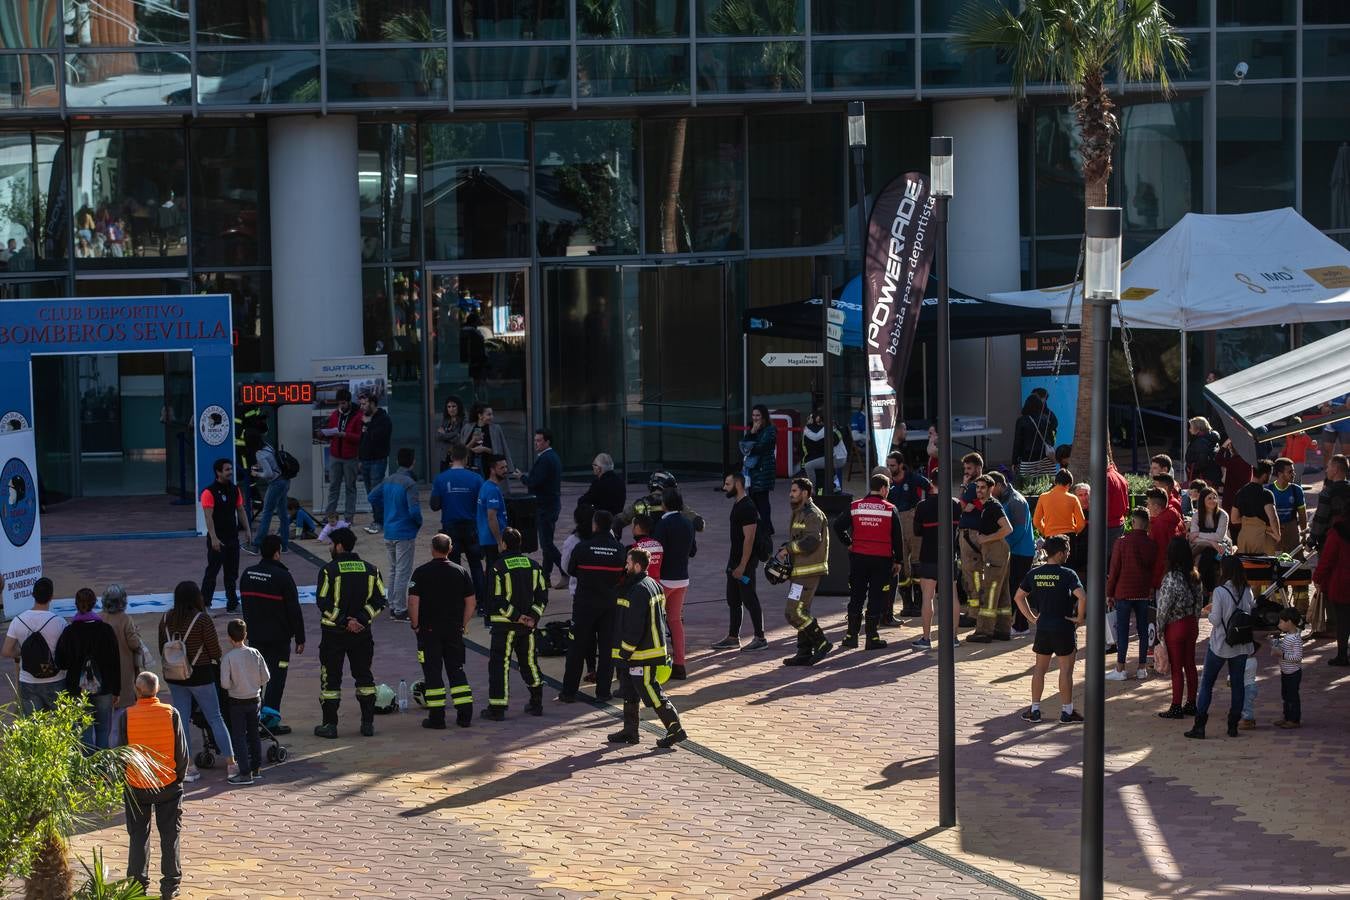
(1185, 365)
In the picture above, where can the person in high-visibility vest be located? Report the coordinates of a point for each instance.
(519, 597)
(807, 553)
(641, 654)
(876, 545)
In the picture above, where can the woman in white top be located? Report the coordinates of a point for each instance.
(1231, 596)
(1208, 536)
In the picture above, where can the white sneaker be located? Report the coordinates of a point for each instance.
(372, 528)
(1142, 674)
(192, 775)
(1116, 675)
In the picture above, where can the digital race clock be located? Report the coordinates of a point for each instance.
(276, 393)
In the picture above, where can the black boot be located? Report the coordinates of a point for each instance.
(464, 715)
(1188, 709)
(435, 719)
(1233, 719)
(1173, 712)
(803, 654)
(850, 642)
(492, 713)
(820, 645)
(629, 734)
(1198, 729)
(874, 642)
(674, 730)
(536, 705)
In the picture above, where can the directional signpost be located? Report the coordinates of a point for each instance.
(793, 360)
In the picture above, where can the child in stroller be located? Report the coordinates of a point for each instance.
(206, 756)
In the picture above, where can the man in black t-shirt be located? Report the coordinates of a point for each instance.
(1254, 507)
(994, 603)
(223, 508)
(440, 603)
(741, 564)
(1058, 595)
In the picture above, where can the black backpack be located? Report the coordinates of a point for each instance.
(287, 465)
(35, 657)
(1238, 629)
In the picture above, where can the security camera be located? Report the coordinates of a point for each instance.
(1240, 70)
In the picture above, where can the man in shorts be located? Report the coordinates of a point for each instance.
(1057, 593)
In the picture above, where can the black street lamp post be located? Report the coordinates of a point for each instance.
(857, 144)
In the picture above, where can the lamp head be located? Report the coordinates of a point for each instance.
(1101, 272)
(941, 166)
(857, 125)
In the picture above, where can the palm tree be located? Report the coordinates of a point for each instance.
(1073, 43)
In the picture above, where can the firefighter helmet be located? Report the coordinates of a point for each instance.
(419, 693)
(776, 571)
(660, 481)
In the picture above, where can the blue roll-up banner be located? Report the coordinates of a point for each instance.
(197, 324)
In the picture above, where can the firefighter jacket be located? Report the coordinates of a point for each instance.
(874, 528)
(641, 629)
(653, 506)
(597, 565)
(518, 589)
(349, 588)
(809, 547)
(271, 603)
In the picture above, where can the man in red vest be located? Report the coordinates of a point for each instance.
(876, 546)
(155, 788)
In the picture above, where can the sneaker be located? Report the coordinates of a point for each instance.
(434, 724)
(589, 678)
(1289, 726)
(727, 643)
(922, 644)
(240, 778)
(1031, 715)
(956, 642)
(980, 639)
(1018, 635)
(399, 616)
(758, 643)
(257, 774)
(193, 775)
(1116, 675)
(1073, 718)
(279, 729)
(1141, 674)
(889, 623)
(566, 698)
(1246, 724)
(372, 528)
(250, 549)
(232, 606)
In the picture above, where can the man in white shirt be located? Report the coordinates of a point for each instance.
(39, 679)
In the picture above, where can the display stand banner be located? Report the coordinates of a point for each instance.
(360, 375)
(20, 524)
(1039, 370)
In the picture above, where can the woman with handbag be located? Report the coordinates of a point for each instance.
(1180, 599)
(1230, 643)
(1032, 453)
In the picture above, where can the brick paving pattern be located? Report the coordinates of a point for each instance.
(799, 784)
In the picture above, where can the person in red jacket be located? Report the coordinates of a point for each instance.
(1168, 485)
(1164, 523)
(1117, 505)
(1333, 580)
(344, 439)
(1129, 585)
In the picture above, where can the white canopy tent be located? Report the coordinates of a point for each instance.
(1213, 272)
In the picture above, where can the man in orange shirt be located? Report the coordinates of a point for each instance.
(155, 787)
(1058, 513)
(1296, 448)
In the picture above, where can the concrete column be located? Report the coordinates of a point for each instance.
(985, 254)
(316, 259)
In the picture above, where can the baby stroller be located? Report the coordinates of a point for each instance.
(206, 756)
(1270, 576)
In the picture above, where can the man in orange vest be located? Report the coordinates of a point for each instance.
(156, 729)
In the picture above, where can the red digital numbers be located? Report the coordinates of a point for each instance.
(276, 393)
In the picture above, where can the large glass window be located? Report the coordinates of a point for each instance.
(1268, 54)
(31, 79)
(1256, 12)
(743, 18)
(393, 74)
(1326, 12)
(1256, 147)
(96, 80)
(251, 309)
(405, 21)
(1326, 154)
(392, 324)
(946, 66)
(631, 70)
(246, 77)
(25, 24)
(509, 73)
(861, 17)
(751, 68)
(129, 204)
(694, 184)
(476, 184)
(34, 201)
(1059, 171)
(521, 20)
(863, 65)
(940, 15)
(229, 196)
(124, 23)
(633, 18)
(797, 177)
(258, 21)
(1326, 52)
(586, 187)
(387, 178)
(1161, 163)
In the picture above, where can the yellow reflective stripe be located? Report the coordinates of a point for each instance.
(657, 601)
(795, 547)
(649, 685)
(351, 565)
(501, 618)
(518, 562)
(329, 695)
(623, 601)
(627, 646)
(371, 611)
(653, 653)
(461, 689)
(283, 664)
(535, 676)
(365, 691)
(435, 692)
(421, 657)
(812, 569)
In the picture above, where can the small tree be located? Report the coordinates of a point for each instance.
(51, 786)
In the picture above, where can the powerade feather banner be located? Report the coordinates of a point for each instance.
(899, 252)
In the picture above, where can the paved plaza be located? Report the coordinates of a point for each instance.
(802, 783)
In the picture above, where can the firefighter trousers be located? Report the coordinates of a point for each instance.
(592, 623)
(995, 613)
(508, 639)
(642, 686)
(869, 585)
(277, 655)
(909, 560)
(972, 563)
(443, 653)
(335, 647)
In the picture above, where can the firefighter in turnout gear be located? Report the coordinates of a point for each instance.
(642, 655)
(993, 620)
(654, 505)
(519, 595)
(808, 555)
(350, 594)
(907, 489)
(440, 603)
(876, 544)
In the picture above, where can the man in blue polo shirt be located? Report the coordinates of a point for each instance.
(1021, 543)
(491, 512)
(455, 494)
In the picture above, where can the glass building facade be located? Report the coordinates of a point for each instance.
(606, 185)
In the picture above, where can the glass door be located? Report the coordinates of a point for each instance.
(480, 353)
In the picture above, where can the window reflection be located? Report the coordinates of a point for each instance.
(405, 21)
(387, 179)
(243, 77)
(504, 73)
(386, 74)
(28, 81)
(29, 24)
(1256, 147)
(251, 308)
(124, 23)
(624, 70)
(229, 196)
(743, 68)
(1161, 160)
(1255, 12)
(1059, 172)
(744, 18)
(392, 324)
(128, 194)
(128, 79)
(477, 183)
(863, 65)
(510, 20)
(34, 201)
(586, 185)
(861, 17)
(257, 21)
(694, 184)
(1326, 154)
(633, 18)
(796, 180)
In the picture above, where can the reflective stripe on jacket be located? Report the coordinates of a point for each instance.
(809, 546)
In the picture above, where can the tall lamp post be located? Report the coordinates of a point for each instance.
(940, 187)
(1101, 290)
(857, 145)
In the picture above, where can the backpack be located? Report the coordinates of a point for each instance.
(176, 665)
(553, 638)
(35, 655)
(287, 464)
(91, 679)
(1238, 629)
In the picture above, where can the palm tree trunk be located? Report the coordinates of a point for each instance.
(51, 878)
(670, 242)
(1094, 195)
